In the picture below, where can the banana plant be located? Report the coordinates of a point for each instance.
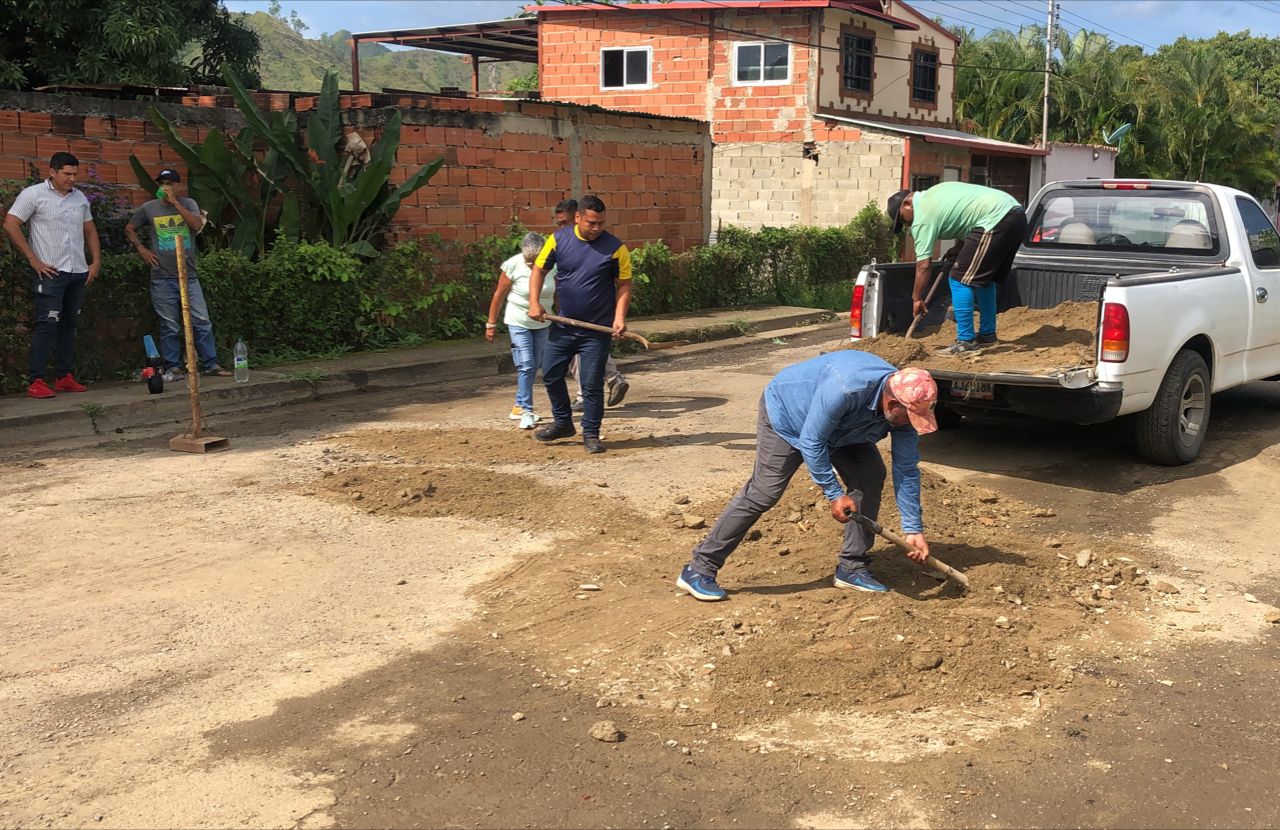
(218, 178)
(354, 209)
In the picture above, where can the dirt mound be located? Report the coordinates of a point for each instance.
(468, 493)
(490, 446)
(1030, 340)
(598, 611)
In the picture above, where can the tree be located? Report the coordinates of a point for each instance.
(1202, 110)
(45, 42)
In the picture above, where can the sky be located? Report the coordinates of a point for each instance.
(1143, 22)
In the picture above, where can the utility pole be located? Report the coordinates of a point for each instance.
(1050, 28)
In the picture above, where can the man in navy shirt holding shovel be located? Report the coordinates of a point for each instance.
(593, 284)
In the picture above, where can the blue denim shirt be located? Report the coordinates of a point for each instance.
(834, 400)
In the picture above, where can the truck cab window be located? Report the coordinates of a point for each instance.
(1137, 221)
(1264, 243)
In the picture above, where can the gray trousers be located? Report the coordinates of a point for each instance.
(859, 466)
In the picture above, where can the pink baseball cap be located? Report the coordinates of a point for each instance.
(915, 389)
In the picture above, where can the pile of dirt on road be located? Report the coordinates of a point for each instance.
(485, 446)
(598, 611)
(1030, 340)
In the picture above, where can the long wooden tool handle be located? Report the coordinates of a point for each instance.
(193, 373)
(933, 289)
(569, 321)
(932, 562)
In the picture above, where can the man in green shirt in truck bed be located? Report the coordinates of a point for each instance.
(990, 225)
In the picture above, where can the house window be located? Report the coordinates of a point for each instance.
(762, 63)
(622, 68)
(857, 56)
(922, 183)
(924, 76)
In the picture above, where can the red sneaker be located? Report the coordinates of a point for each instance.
(39, 389)
(68, 383)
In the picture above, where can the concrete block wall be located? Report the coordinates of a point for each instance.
(772, 184)
(504, 159)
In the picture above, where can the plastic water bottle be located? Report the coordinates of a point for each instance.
(241, 361)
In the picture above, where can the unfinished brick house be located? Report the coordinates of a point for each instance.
(816, 107)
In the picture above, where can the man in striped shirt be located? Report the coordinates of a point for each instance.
(58, 218)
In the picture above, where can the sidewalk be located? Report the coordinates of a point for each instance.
(120, 406)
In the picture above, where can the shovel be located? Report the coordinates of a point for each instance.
(932, 562)
(665, 344)
(947, 262)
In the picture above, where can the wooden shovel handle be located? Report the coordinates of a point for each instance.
(931, 562)
(569, 321)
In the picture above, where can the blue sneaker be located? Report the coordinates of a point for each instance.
(699, 586)
(859, 579)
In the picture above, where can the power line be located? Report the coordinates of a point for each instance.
(1032, 20)
(1112, 31)
(1001, 21)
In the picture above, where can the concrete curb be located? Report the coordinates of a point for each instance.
(121, 407)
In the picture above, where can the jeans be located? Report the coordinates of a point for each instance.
(963, 298)
(859, 466)
(528, 350)
(166, 299)
(58, 301)
(592, 349)
(612, 374)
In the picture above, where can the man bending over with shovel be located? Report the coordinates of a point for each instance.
(829, 412)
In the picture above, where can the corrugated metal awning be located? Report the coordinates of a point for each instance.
(940, 135)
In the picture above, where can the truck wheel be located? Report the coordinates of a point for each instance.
(1172, 430)
(947, 417)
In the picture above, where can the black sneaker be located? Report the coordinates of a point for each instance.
(617, 391)
(554, 431)
(592, 444)
(987, 339)
(961, 347)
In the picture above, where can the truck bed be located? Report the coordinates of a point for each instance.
(1047, 329)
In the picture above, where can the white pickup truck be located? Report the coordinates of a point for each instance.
(1186, 278)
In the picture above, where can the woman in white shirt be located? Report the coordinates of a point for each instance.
(528, 336)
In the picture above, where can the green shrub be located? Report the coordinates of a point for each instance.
(804, 266)
(299, 300)
(307, 300)
(408, 295)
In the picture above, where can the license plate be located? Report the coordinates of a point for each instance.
(973, 390)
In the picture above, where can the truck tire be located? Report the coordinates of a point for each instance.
(1172, 430)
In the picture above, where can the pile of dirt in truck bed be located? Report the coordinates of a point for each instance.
(597, 610)
(1030, 340)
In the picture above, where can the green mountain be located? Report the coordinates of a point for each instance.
(292, 62)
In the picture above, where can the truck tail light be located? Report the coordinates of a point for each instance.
(1115, 333)
(855, 312)
(1125, 186)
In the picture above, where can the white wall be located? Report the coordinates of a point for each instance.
(1066, 162)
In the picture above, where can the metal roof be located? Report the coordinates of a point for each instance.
(940, 135)
(498, 40)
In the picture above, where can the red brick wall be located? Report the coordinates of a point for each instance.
(929, 159)
(569, 47)
(504, 159)
(687, 66)
(103, 145)
(754, 113)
